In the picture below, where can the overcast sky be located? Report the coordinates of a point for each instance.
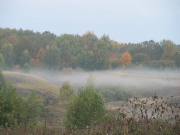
(123, 20)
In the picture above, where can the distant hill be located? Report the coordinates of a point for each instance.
(24, 83)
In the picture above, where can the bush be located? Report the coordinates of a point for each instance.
(66, 92)
(85, 110)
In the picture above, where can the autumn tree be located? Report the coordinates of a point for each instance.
(168, 52)
(126, 59)
(38, 61)
(40, 54)
(114, 61)
(13, 39)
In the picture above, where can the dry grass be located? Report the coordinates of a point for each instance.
(133, 75)
(23, 81)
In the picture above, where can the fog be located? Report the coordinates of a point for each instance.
(163, 82)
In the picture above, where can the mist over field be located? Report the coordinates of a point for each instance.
(89, 67)
(162, 82)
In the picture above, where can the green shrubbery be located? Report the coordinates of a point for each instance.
(85, 110)
(16, 110)
(66, 92)
(112, 93)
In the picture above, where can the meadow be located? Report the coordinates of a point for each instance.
(138, 102)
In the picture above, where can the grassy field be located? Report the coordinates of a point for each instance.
(129, 117)
(25, 82)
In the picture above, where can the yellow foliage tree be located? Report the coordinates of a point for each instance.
(168, 52)
(126, 59)
(40, 54)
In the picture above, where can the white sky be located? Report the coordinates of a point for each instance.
(123, 20)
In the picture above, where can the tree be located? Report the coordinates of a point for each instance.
(2, 81)
(105, 38)
(140, 58)
(152, 49)
(52, 56)
(25, 57)
(85, 60)
(66, 92)
(10, 108)
(40, 55)
(8, 53)
(176, 59)
(31, 109)
(25, 42)
(101, 55)
(91, 81)
(2, 62)
(89, 39)
(168, 52)
(13, 39)
(114, 61)
(26, 67)
(85, 110)
(126, 59)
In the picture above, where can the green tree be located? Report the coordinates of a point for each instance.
(2, 62)
(26, 67)
(85, 109)
(25, 57)
(2, 81)
(176, 59)
(105, 38)
(140, 58)
(31, 109)
(101, 55)
(89, 39)
(8, 53)
(85, 60)
(52, 56)
(10, 110)
(66, 92)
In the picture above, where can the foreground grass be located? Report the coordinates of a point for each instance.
(151, 116)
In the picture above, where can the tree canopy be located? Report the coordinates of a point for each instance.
(87, 51)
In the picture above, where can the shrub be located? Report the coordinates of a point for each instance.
(85, 110)
(66, 92)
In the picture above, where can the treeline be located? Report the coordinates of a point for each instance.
(25, 49)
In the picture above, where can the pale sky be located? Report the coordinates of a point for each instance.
(123, 20)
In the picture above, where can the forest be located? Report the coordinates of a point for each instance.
(25, 49)
(82, 84)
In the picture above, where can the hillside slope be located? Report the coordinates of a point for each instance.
(25, 82)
